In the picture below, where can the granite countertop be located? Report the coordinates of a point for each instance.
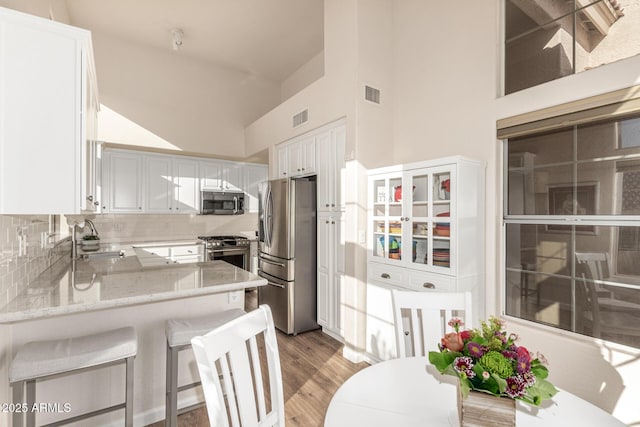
(111, 281)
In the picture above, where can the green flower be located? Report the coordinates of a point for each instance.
(497, 364)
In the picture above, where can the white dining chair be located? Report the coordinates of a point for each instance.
(421, 318)
(230, 361)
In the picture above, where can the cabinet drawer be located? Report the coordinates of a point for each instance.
(387, 274)
(150, 252)
(420, 281)
(187, 259)
(187, 250)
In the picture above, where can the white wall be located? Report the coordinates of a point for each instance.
(194, 106)
(56, 9)
(328, 98)
(311, 71)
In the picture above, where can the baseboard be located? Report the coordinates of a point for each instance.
(156, 414)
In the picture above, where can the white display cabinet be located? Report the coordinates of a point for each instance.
(425, 233)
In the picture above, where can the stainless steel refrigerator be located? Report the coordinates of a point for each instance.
(287, 256)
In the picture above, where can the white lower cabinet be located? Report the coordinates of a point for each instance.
(330, 267)
(381, 279)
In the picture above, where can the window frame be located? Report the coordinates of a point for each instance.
(628, 101)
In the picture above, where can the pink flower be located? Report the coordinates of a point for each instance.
(452, 341)
(465, 335)
(455, 323)
(523, 353)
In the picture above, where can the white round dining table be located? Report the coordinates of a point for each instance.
(409, 392)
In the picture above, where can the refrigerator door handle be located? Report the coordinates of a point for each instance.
(268, 222)
(279, 264)
(277, 285)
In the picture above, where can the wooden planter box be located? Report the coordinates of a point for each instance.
(482, 409)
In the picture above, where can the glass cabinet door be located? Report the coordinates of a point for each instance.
(388, 220)
(441, 219)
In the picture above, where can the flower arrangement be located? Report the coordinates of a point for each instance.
(489, 361)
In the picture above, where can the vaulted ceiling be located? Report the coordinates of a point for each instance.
(268, 38)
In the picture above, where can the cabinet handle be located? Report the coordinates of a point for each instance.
(333, 222)
(333, 205)
(302, 168)
(90, 198)
(406, 333)
(428, 285)
(96, 203)
(326, 222)
(190, 251)
(170, 208)
(385, 276)
(140, 207)
(327, 205)
(284, 173)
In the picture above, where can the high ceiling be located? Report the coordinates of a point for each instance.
(268, 38)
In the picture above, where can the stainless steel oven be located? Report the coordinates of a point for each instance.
(232, 249)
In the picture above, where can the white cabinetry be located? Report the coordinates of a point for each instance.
(186, 185)
(297, 157)
(331, 149)
(330, 271)
(46, 89)
(425, 233)
(150, 183)
(159, 185)
(151, 255)
(221, 175)
(123, 181)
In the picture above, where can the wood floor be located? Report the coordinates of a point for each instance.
(312, 370)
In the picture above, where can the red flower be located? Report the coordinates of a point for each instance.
(523, 353)
(465, 335)
(452, 341)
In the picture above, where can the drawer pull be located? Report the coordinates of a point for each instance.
(406, 333)
(428, 285)
(385, 276)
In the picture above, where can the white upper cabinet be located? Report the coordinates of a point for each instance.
(137, 182)
(297, 157)
(221, 176)
(123, 181)
(46, 89)
(186, 186)
(331, 149)
(159, 184)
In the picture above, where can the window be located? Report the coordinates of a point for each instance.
(572, 226)
(549, 39)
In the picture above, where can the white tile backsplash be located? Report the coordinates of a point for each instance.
(146, 227)
(18, 267)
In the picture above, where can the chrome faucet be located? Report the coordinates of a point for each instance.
(74, 243)
(93, 227)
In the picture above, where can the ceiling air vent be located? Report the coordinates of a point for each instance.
(300, 118)
(372, 94)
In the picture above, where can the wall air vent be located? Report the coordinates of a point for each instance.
(300, 118)
(372, 94)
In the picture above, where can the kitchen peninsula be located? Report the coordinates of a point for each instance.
(111, 290)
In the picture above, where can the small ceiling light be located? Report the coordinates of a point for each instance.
(176, 42)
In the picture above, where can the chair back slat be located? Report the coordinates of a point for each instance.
(428, 314)
(257, 373)
(241, 399)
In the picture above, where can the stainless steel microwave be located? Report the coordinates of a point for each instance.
(222, 203)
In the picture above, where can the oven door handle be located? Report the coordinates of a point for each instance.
(279, 264)
(235, 205)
